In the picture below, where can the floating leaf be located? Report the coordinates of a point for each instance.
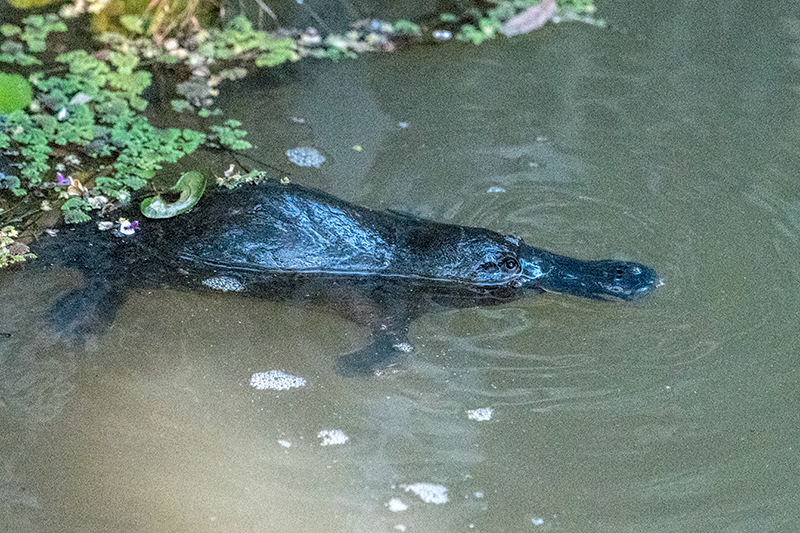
(191, 186)
(534, 17)
(15, 93)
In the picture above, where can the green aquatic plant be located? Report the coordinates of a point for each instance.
(11, 250)
(230, 136)
(89, 117)
(15, 93)
(484, 28)
(33, 34)
(406, 27)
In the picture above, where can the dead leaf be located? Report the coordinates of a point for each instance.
(76, 188)
(18, 248)
(532, 18)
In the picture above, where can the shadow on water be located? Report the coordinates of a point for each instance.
(668, 140)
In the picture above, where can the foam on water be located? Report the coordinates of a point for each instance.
(275, 380)
(428, 492)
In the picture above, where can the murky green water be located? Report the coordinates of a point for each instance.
(671, 139)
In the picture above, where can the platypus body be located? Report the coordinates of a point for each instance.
(284, 240)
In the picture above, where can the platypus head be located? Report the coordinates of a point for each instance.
(512, 263)
(496, 263)
(603, 279)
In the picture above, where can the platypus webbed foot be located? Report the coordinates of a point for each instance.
(386, 350)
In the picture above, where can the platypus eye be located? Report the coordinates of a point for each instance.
(510, 264)
(498, 269)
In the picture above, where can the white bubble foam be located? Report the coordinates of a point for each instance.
(305, 157)
(482, 414)
(275, 380)
(403, 347)
(224, 284)
(396, 505)
(332, 436)
(428, 492)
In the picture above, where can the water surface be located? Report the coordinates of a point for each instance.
(669, 139)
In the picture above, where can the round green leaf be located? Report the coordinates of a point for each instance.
(191, 186)
(15, 93)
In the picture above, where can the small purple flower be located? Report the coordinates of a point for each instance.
(135, 225)
(51, 232)
(61, 179)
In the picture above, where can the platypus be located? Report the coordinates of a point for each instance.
(380, 268)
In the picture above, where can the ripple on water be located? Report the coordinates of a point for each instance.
(554, 351)
(783, 215)
(559, 217)
(35, 376)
